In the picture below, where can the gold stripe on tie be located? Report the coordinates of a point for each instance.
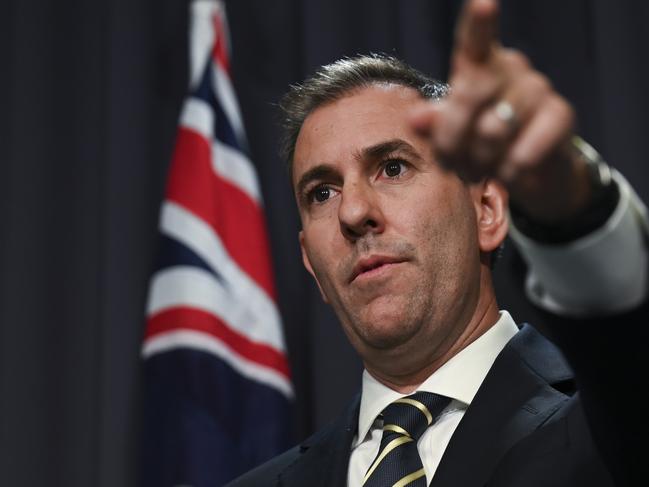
(410, 478)
(396, 429)
(388, 448)
(422, 407)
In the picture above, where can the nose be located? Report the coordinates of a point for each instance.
(359, 211)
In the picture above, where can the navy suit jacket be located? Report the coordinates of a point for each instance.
(537, 420)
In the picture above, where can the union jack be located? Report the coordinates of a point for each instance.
(217, 381)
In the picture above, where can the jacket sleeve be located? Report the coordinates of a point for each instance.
(592, 293)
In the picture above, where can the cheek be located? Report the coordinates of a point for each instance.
(444, 229)
(320, 246)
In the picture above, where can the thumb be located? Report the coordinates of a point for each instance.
(423, 118)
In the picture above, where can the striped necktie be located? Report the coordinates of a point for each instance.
(397, 463)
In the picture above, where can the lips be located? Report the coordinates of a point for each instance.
(371, 263)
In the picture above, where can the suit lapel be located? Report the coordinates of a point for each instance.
(515, 398)
(324, 457)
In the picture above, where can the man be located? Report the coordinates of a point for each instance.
(404, 204)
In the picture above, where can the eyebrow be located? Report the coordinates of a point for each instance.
(382, 149)
(321, 171)
(373, 152)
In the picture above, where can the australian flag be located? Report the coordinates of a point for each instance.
(217, 382)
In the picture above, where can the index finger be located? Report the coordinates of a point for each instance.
(477, 29)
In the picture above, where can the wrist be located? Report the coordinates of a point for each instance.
(594, 199)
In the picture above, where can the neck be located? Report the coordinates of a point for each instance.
(485, 315)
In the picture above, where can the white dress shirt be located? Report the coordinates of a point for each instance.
(603, 272)
(459, 378)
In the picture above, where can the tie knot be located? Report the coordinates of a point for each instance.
(411, 415)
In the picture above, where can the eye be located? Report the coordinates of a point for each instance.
(394, 168)
(320, 194)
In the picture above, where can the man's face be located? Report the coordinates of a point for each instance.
(389, 235)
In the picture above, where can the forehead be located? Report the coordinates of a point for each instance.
(363, 118)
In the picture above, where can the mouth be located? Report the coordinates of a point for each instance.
(373, 266)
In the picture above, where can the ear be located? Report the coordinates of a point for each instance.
(490, 199)
(307, 264)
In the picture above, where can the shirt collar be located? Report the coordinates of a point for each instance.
(459, 378)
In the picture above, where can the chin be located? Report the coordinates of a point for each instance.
(387, 328)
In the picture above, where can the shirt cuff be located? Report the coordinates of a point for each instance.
(604, 272)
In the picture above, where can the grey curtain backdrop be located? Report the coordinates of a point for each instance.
(89, 96)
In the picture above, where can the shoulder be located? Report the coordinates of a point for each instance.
(319, 460)
(543, 358)
(268, 473)
(606, 353)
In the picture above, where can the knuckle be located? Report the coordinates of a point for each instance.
(515, 59)
(490, 128)
(464, 92)
(474, 89)
(564, 112)
(538, 83)
(523, 158)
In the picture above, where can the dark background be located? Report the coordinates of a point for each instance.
(89, 97)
